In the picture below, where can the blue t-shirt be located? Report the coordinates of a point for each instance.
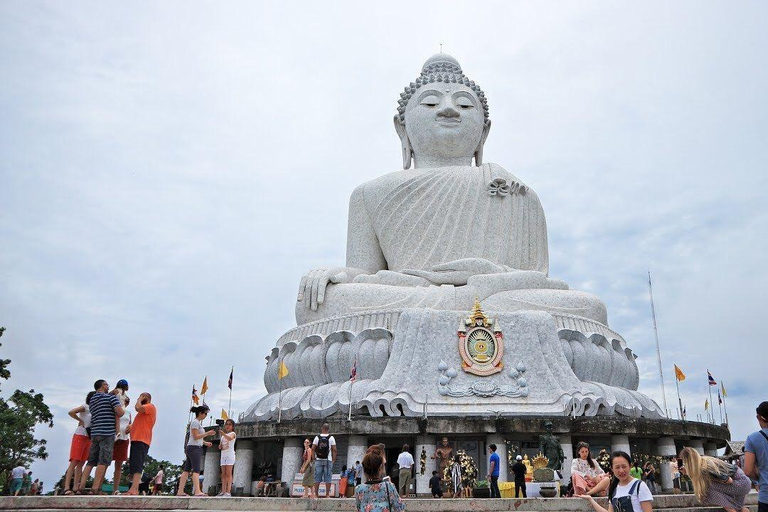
(102, 407)
(496, 467)
(758, 445)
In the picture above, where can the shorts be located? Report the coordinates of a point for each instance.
(194, 461)
(78, 450)
(120, 450)
(16, 484)
(322, 471)
(762, 507)
(101, 450)
(227, 458)
(139, 452)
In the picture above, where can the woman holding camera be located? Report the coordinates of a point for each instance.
(194, 450)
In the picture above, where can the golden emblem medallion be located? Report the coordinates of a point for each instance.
(481, 344)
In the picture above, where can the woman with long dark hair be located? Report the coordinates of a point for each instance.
(586, 475)
(715, 482)
(376, 494)
(308, 470)
(194, 451)
(625, 492)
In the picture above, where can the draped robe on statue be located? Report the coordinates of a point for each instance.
(418, 218)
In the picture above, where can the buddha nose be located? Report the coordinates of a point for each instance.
(448, 110)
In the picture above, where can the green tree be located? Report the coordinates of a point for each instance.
(19, 414)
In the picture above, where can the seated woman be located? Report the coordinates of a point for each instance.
(715, 482)
(376, 494)
(587, 476)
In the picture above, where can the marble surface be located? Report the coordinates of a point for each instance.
(538, 378)
(423, 244)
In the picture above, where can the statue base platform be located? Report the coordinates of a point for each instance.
(672, 503)
(417, 369)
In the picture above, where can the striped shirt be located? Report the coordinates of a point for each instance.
(103, 414)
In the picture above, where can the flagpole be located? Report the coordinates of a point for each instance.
(711, 404)
(679, 400)
(349, 416)
(279, 393)
(191, 401)
(231, 385)
(720, 406)
(658, 347)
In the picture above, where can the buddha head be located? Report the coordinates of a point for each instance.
(442, 117)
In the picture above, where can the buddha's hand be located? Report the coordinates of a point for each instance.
(458, 272)
(313, 284)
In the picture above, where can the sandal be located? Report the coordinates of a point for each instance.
(68, 492)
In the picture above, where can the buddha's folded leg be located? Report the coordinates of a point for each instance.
(556, 301)
(352, 298)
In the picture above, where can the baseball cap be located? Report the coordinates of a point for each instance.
(519, 457)
(122, 383)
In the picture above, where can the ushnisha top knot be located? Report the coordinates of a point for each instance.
(440, 67)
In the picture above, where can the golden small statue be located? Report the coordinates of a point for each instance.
(528, 469)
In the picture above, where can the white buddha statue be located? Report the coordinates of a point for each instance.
(443, 231)
(426, 245)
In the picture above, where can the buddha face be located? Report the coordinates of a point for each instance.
(444, 122)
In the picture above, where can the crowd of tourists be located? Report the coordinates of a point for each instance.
(107, 432)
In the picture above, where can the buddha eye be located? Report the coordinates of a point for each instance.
(430, 101)
(464, 103)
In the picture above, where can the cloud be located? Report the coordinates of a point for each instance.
(169, 174)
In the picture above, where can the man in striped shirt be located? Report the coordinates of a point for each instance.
(105, 409)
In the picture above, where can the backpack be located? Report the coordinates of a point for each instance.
(323, 447)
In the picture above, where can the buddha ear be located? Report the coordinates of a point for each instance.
(479, 150)
(404, 142)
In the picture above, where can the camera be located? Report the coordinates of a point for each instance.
(220, 422)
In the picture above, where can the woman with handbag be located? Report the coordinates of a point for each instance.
(626, 493)
(376, 495)
(715, 482)
(308, 470)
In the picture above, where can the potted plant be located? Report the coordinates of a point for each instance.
(481, 489)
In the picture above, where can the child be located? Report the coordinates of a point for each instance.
(227, 447)
(434, 485)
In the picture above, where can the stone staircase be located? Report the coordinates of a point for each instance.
(665, 503)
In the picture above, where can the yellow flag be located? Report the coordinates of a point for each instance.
(205, 386)
(679, 374)
(722, 387)
(706, 405)
(224, 415)
(282, 371)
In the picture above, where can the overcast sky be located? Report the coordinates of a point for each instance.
(168, 171)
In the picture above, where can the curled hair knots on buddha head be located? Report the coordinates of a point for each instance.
(441, 68)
